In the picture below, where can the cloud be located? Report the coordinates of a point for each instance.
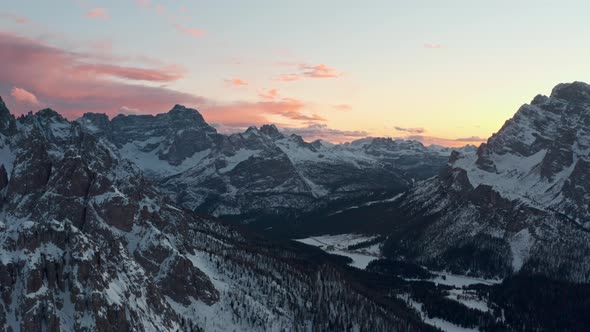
(98, 13)
(322, 131)
(235, 82)
(24, 96)
(12, 17)
(411, 130)
(67, 81)
(189, 31)
(255, 112)
(268, 94)
(128, 110)
(76, 83)
(132, 73)
(318, 71)
(310, 71)
(433, 46)
(342, 107)
(143, 3)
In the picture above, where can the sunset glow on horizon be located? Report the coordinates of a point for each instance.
(337, 70)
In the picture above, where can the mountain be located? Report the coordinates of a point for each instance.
(519, 204)
(261, 174)
(87, 243)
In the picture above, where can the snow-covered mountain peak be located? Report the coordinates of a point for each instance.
(271, 131)
(535, 156)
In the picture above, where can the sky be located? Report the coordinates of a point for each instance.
(441, 72)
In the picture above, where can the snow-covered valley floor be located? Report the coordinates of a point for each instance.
(339, 245)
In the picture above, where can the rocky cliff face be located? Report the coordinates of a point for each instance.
(88, 244)
(519, 204)
(260, 172)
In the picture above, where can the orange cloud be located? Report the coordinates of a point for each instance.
(310, 71)
(24, 96)
(189, 31)
(343, 107)
(143, 74)
(268, 94)
(235, 113)
(235, 82)
(318, 71)
(98, 13)
(66, 81)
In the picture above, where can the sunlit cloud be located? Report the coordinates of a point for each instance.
(24, 96)
(235, 82)
(269, 94)
(69, 81)
(133, 73)
(310, 71)
(256, 112)
(98, 13)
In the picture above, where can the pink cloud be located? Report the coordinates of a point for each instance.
(24, 96)
(98, 13)
(66, 81)
(254, 112)
(310, 71)
(132, 73)
(189, 31)
(433, 46)
(74, 83)
(268, 94)
(143, 3)
(235, 82)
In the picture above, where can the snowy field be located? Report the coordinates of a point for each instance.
(338, 244)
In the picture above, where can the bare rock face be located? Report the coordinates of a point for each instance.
(520, 204)
(3, 177)
(7, 122)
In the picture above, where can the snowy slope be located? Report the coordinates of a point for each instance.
(517, 204)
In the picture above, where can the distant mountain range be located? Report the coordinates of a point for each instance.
(262, 174)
